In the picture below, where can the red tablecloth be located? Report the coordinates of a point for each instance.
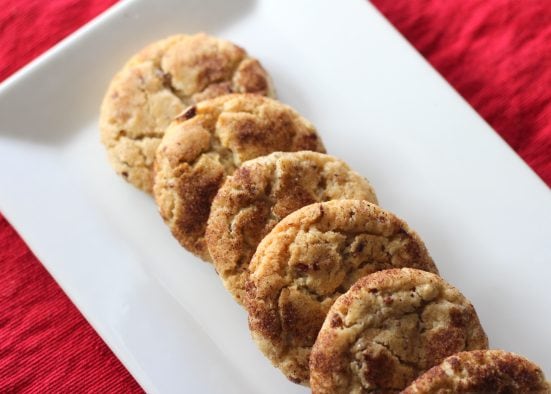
(496, 53)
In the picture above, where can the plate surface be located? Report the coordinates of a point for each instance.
(484, 215)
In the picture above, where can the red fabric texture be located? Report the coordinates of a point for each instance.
(46, 345)
(495, 53)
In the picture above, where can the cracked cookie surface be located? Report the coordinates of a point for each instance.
(308, 260)
(261, 193)
(208, 142)
(482, 371)
(390, 327)
(158, 83)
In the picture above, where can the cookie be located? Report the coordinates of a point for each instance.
(264, 191)
(482, 371)
(157, 84)
(308, 260)
(390, 327)
(208, 142)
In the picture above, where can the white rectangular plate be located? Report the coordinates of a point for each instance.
(485, 216)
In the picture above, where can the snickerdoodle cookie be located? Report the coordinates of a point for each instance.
(208, 142)
(390, 327)
(159, 82)
(308, 260)
(481, 371)
(261, 193)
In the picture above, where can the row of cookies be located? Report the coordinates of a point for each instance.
(402, 321)
(390, 324)
(242, 181)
